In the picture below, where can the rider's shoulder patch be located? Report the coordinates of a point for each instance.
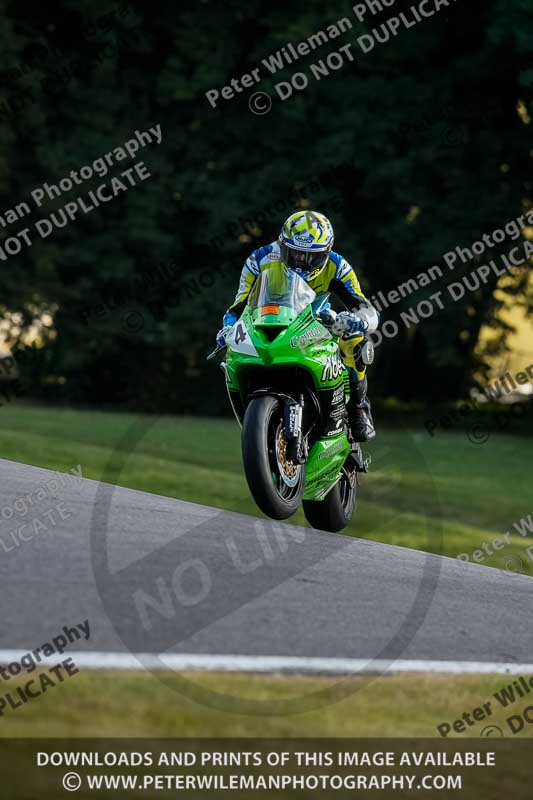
(252, 264)
(337, 260)
(268, 254)
(342, 268)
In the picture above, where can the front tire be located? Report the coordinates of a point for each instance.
(277, 484)
(334, 512)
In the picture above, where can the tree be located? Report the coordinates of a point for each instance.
(413, 149)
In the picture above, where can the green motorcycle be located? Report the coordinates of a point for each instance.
(289, 388)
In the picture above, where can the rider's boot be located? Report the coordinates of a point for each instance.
(360, 413)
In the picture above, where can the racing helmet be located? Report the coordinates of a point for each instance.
(306, 240)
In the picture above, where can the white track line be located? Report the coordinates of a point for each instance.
(269, 664)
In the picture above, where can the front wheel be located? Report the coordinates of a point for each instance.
(276, 483)
(335, 511)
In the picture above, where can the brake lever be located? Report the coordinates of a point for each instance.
(215, 352)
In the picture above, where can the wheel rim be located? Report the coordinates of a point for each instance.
(286, 475)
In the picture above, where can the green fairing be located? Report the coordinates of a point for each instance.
(304, 343)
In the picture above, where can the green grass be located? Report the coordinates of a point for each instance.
(439, 494)
(110, 704)
(138, 704)
(442, 494)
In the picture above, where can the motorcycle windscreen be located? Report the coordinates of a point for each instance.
(279, 296)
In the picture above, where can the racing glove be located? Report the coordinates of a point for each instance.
(328, 317)
(222, 334)
(349, 324)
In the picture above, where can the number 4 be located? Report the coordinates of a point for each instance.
(240, 334)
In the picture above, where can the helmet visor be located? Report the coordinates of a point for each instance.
(303, 260)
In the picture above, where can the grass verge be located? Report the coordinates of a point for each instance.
(442, 494)
(139, 704)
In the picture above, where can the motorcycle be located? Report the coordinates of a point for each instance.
(289, 389)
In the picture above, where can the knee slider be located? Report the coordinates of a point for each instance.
(367, 352)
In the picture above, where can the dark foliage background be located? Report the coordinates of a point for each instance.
(411, 150)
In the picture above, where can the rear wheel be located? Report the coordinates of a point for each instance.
(276, 483)
(335, 511)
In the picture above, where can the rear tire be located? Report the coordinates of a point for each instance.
(334, 512)
(263, 443)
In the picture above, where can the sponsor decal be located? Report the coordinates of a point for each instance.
(295, 420)
(304, 238)
(338, 425)
(332, 368)
(338, 395)
(313, 333)
(331, 450)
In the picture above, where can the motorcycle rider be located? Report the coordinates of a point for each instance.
(305, 246)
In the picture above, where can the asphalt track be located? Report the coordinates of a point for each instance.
(155, 575)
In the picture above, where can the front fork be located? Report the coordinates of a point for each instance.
(297, 449)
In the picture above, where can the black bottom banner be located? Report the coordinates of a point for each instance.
(47, 769)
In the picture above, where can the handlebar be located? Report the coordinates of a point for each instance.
(327, 318)
(215, 352)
